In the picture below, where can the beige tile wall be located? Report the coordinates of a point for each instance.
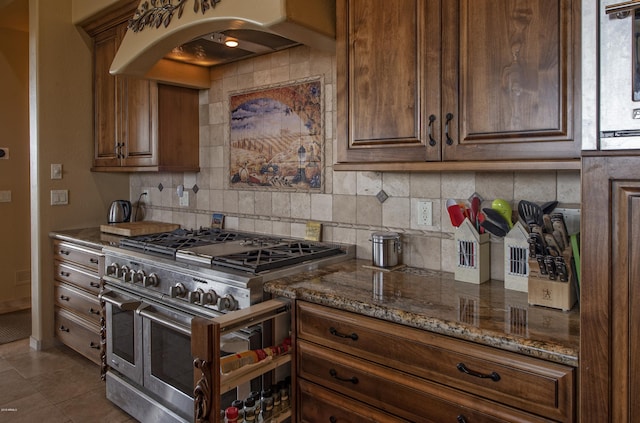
(348, 207)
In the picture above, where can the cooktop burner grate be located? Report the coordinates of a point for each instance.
(167, 243)
(277, 256)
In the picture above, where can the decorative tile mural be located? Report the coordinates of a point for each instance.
(276, 137)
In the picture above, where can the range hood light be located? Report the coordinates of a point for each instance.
(230, 42)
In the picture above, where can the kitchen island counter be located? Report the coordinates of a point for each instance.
(486, 314)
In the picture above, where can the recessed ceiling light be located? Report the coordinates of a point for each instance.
(230, 42)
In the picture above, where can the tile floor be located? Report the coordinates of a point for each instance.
(53, 386)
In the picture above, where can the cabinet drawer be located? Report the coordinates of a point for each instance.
(86, 257)
(400, 394)
(522, 382)
(78, 334)
(77, 301)
(77, 276)
(321, 405)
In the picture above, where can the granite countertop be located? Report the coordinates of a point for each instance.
(486, 314)
(89, 237)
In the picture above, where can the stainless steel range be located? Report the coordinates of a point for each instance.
(155, 284)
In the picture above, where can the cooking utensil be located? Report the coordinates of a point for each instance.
(497, 219)
(504, 208)
(530, 212)
(549, 206)
(491, 227)
(475, 210)
(455, 213)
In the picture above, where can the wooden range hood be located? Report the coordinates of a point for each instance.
(183, 51)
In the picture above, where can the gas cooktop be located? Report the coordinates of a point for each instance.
(249, 252)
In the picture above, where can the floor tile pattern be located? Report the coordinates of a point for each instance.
(54, 386)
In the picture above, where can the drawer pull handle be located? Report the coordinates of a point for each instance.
(64, 298)
(461, 419)
(334, 374)
(94, 345)
(333, 331)
(64, 329)
(94, 260)
(94, 284)
(493, 375)
(94, 311)
(65, 274)
(64, 252)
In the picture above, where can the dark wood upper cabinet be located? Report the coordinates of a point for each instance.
(449, 81)
(139, 124)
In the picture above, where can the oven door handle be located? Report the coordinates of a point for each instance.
(123, 303)
(144, 311)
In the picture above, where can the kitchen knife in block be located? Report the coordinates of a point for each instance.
(552, 293)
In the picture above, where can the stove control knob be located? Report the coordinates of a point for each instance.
(137, 277)
(194, 296)
(209, 297)
(112, 269)
(151, 280)
(125, 273)
(177, 291)
(227, 303)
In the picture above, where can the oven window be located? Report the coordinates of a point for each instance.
(123, 335)
(171, 359)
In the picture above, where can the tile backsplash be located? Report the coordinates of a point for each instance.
(347, 206)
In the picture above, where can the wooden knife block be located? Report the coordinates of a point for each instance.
(552, 293)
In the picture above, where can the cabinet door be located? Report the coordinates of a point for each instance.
(382, 53)
(508, 79)
(106, 148)
(138, 121)
(610, 290)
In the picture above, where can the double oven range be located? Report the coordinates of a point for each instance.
(154, 285)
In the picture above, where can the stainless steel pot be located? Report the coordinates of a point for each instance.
(386, 249)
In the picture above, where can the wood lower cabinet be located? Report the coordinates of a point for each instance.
(77, 282)
(416, 375)
(465, 80)
(610, 289)
(139, 124)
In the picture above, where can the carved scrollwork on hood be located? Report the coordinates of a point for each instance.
(160, 12)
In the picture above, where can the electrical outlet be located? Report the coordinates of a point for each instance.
(424, 213)
(184, 200)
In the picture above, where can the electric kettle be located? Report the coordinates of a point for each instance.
(120, 211)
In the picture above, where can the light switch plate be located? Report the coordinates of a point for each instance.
(56, 171)
(5, 196)
(59, 197)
